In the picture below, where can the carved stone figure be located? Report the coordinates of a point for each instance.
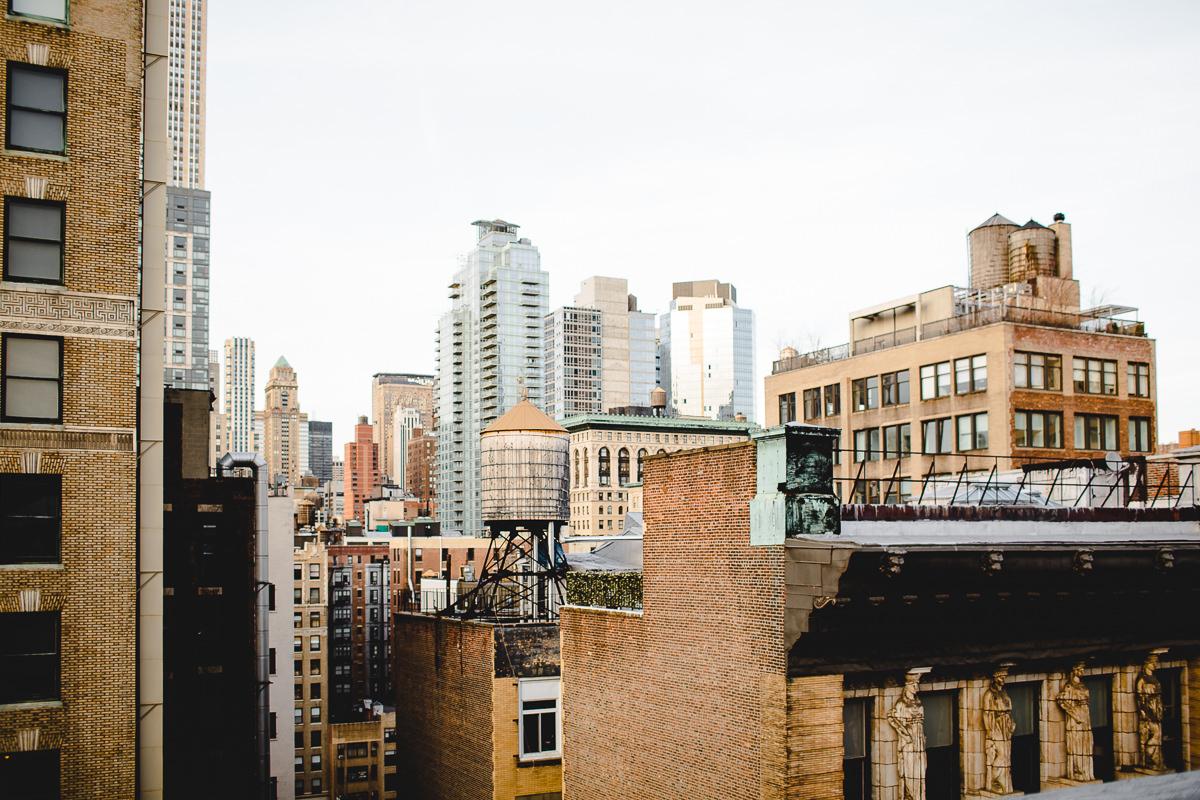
(1150, 715)
(1073, 700)
(908, 718)
(998, 726)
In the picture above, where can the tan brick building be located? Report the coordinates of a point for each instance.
(769, 659)
(72, 180)
(285, 426)
(1007, 372)
(362, 758)
(311, 669)
(390, 391)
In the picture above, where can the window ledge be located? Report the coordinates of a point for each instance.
(50, 23)
(41, 426)
(32, 154)
(31, 705)
(549, 761)
(37, 567)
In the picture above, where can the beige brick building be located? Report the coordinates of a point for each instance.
(69, 472)
(390, 391)
(285, 426)
(311, 670)
(1010, 371)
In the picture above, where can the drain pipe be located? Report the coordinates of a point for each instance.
(256, 464)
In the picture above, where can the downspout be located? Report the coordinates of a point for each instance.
(256, 464)
(412, 589)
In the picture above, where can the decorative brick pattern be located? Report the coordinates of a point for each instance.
(67, 314)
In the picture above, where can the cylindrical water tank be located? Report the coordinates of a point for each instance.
(989, 252)
(524, 467)
(1031, 252)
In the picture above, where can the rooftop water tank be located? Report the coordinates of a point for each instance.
(524, 467)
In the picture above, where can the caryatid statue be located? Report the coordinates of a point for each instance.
(998, 726)
(1148, 690)
(1073, 700)
(908, 718)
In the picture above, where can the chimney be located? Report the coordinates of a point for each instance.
(794, 484)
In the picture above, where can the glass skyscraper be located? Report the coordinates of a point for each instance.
(489, 356)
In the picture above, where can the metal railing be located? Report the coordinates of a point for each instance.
(1031, 316)
(884, 341)
(965, 479)
(825, 356)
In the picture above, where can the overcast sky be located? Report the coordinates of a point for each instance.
(822, 157)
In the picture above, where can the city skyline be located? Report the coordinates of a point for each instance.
(782, 149)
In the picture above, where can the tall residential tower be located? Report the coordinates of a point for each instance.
(285, 427)
(489, 356)
(238, 435)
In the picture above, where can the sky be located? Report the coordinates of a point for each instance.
(822, 157)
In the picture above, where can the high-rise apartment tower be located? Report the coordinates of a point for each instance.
(389, 391)
(188, 204)
(285, 427)
(238, 433)
(489, 357)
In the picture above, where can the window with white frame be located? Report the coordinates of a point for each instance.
(541, 722)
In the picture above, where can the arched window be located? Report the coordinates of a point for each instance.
(620, 511)
(623, 467)
(641, 455)
(605, 470)
(577, 469)
(585, 467)
(660, 451)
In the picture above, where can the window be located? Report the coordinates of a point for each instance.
(942, 770)
(1139, 435)
(298, 716)
(935, 380)
(972, 432)
(1139, 379)
(866, 492)
(970, 374)
(866, 445)
(314, 666)
(314, 714)
(33, 241)
(37, 108)
(29, 656)
(833, 400)
(314, 619)
(936, 436)
(1095, 432)
(812, 404)
(299, 761)
(30, 518)
(274, 726)
(856, 754)
(864, 393)
(55, 10)
(297, 620)
(314, 739)
(316, 785)
(296, 572)
(32, 379)
(315, 762)
(605, 470)
(314, 644)
(32, 774)
(787, 408)
(314, 572)
(1037, 371)
(897, 441)
(1100, 711)
(356, 750)
(895, 388)
(299, 667)
(1026, 748)
(539, 717)
(297, 595)
(314, 595)
(1038, 429)
(298, 691)
(271, 661)
(640, 458)
(1095, 376)
(622, 467)
(897, 490)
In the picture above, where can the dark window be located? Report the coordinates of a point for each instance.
(864, 393)
(833, 399)
(33, 240)
(1095, 376)
(1172, 722)
(32, 389)
(856, 749)
(1139, 379)
(1095, 432)
(274, 727)
(37, 108)
(866, 445)
(1037, 371)
(1100, 709)
(787, 408)
(897, 490)
(812, 404)
(605, 470)
(29, 656)
(1038, 429)
(622, 467)
(30, 774)
(1026, 749)
(894, 388)
(314, 739)
(271, 661)
(641, 457)
(865, 492)
(970, 374)
(941, 745)
(30, 518)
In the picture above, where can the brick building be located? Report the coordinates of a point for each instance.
(392, 390)
(311, 668)
(362, 758)
(285, 426)
(775, 650)
(420, 478)
(481, 704)
(359, 624)
(361, 469)
(69, 356)
(1006, 372)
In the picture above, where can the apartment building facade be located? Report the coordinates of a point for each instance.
(361, 469)
(390, 391)
(310, 667)
(359, 625)
(608, 452)
(957, 379)
(285, 426)
(69, 354)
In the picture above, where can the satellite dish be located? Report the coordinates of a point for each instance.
(1113, 461)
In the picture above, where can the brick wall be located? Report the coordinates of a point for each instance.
(689, 698)
(444, 671)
